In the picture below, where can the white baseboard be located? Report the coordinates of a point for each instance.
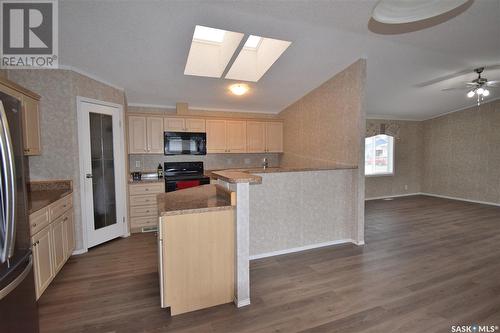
(303, 248)
(79, 251)
(393, 196)
(241, 303)
(461, 199)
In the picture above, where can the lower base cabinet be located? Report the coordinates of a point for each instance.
(53, 244)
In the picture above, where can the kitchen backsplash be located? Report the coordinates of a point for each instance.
(146, 163)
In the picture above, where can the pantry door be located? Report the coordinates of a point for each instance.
(102, 179)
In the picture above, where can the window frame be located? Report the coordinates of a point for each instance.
(384, 174)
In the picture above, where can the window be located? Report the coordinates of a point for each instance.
(379, 155)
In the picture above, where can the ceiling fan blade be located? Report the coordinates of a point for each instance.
(456, 88)
(492, 83)
(456, 74)
(471, 84)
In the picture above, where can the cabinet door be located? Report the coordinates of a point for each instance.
(137, 138)
(256, 136)
(31, 126)
(274, 137)
(216, 136)
(195, 125)
(155, 135)
(174, 124)
(236, 136)
(59, 243)
(42, 259)
(69, 231)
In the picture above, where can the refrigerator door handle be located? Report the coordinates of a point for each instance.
(10, 187)
(11, 286)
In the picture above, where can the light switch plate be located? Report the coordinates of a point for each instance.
(137, 164)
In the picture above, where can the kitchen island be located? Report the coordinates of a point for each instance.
(196, 244)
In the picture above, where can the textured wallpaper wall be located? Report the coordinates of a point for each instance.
(323, 127)
(462, 154)
(327, 126)
(58, 119)
(408, 162)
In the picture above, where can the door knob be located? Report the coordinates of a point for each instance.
(89, 175)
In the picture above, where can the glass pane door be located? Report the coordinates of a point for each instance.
(103, 169)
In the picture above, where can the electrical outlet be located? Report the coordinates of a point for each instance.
(406, 187)
(137, 164)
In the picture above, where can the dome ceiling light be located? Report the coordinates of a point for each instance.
(408, 11)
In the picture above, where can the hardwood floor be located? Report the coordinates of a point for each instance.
(429, 263)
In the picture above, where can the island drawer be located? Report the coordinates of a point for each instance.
(142, 200)
(136, 222)
(142, 189)
(140, 211)
(39, 220)
(60, 206)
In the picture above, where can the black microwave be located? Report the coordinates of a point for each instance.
(185, 143)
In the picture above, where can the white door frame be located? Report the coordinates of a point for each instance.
(120, 186)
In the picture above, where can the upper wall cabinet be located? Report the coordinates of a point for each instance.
(30, 115)
(274, 137)
(31, 126)
(145, 135)
(226, 136)
(173, 124)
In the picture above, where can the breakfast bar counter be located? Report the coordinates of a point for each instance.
(198, 199)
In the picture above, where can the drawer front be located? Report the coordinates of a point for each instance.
(144, 211)
(136, 222)
(143, 200)
(60, 206)
(39, 220)
(142, 189)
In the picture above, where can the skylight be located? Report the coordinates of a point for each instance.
(211, 50)
(253, 42)
(208, 34)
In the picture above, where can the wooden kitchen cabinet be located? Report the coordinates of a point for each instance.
(31, 126)
(274, 137)
(137, 135)
(195, 125)
(42, 259)
(216, 136)
(155, 135)
(53, 240)
(30, 113)
(57, 229)
(172, 124)
(143, 208)
(236, 136)
(256, 136)
(145, 135)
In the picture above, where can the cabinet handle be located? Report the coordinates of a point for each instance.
(27, 150)
(34, 225)
(34, 244)
(65, 219)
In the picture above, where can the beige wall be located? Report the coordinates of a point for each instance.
(408, 162)
(460, 157)
(462, 154)
(58, 121)
(327, 126)
(322, 127)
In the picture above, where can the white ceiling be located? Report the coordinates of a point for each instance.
(142, 46)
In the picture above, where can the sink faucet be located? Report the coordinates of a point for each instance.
(265, 164)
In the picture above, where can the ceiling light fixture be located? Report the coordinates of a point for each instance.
(238, 89)
(480, 92)
(253, 42)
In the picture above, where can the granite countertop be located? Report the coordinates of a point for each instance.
(193, 200)
(250, 175)
(43, 193)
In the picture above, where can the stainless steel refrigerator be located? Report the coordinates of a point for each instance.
(18, 307)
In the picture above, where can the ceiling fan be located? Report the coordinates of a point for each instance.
(477, 87)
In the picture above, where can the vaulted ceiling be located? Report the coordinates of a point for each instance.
(142, 46)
